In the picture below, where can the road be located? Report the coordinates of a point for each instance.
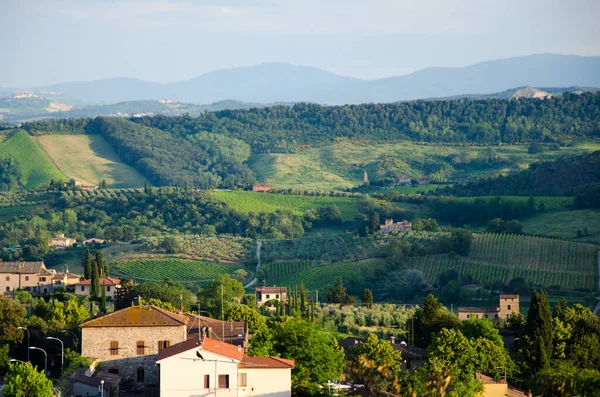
(253, 281)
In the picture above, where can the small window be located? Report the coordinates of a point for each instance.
(495, 316)
(268, 296)
(508, 307)
(42, 278)
(223, 381)
(163, 344)
(7, 289)
(242, 380)
(7, 278)
(140, 374)
(114, 348)
(26, 278)
(107, 289)
(277, 296)
(82, 288)
(486, 316)
(140, 348)
(207, 381)
(477, 316)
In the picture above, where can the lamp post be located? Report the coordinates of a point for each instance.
(25, 329)
(102, 388)
(62, 352)
(14, 360)
(75, 337)
(45, 358)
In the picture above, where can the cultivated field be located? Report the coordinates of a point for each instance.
(565, 224)
(188, 272)
(36, 168)
(90, 159)
(501, 257)
(269, 202)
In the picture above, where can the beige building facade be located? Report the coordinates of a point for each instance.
(507, 305)
(127, 342)
(84, 287)
(265, 294)
(61, 241)
(391, 226)
(28, 276)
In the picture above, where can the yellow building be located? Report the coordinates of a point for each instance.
(507, 305)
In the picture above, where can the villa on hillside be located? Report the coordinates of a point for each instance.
(508, 304)
(28, 276)
(60, 241)
(65, 279)
(390, 226)
(265, 294)
(262, 188)
(205, 366)
(112, 284)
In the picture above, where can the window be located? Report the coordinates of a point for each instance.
(508, 307)
(42, 278)
(268, 296)
(207, 381)
(223, 381)
(486, 316)
(277, 296)
(108, 289)
(82, 288)
(26, 278)
(7, 278)
(140, 374)
(140, 348)
(163, 344)
(114, 348)
(495, 316)
(7, 289)
(477, 316)
(242, 380)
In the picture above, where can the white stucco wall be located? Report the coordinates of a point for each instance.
(182, 375)
(267, 382)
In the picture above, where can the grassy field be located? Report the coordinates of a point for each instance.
(342, 164)
(36, 168)
(90, 159)
(269, 202)
(500, 258)
(564, 224)
(8, 213)
(188, 272)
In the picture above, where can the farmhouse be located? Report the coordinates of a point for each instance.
(401, 180)
(29, 276)
(265, 294)
(61, 241)
(128, 341)
(423, 181)
(203, 367)
(65, 279)
(508, 304)
(79, 184)
(112, 284)
(390, 226)
(262, 188)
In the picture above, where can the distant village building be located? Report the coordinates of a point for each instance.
(84, 287)
(423, 181)
(205, 367)
(93, 241)
(61, 241)
(390, 226)
(401, 180)
(508, 304)
(28, 276)
(79, 184)
(65, 279)
(265, 294)
(262, 188)
(84, 385)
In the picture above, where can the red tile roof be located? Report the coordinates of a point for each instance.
(137, 316)
(272, 290)
(266, 362)
(208, 344)
(109, 281)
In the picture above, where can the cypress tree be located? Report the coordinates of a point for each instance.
(87, 272)
(99, 261)
(368, 298)
(103, 301)
(95, 284)
(539, 332)
(302, 299)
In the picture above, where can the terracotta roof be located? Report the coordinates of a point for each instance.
(208, 344)
(486, 379)
(271, 290)
(137, 316)
(478, 309)
(22, 267)
(266, 362)
(109, 281)
(60, 276)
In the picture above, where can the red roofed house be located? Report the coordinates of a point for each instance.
(84, 287)
(127, 342)
(262, 188)
(265, 294)
(206, 367)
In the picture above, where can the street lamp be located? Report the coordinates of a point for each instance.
(14, 360)
(62, 352)
(45, 358)
(75, 337)
(23, 328)
(102, 388)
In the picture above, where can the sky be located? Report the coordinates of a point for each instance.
(44, 42)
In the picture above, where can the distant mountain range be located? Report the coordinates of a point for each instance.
(281, 82)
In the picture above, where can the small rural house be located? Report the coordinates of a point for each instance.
(84, 386)
(60, 241)
(128, 341)
(207, 367)
(507, 305)
(65, 279)
(389, 226)
(262, 188)
(112, 284)
(93, 241)
(28, 276)
(401, 180)
(265, 294)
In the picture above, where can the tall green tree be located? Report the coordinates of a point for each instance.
(101, 264)
(538, 333)
(367, 299)
(220, 294)
(22, 380)
(95, 284)
(374, 221)
(12, 315)
(87, 265)
(428, 319)
(262, 338)
(381, 354)
(103, 298)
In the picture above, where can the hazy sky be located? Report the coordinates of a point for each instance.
(50, 41)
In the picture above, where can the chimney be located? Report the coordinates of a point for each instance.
(393, 340)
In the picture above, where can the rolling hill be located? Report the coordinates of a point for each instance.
(280, 82)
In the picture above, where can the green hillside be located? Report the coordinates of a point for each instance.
(501, 257)
(35, 167)
(90, 159)
(566, 224)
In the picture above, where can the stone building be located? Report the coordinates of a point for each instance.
(391, 226)
(61, 241)
(112, 284)
(28, 276)
(507, 305)
(127, 342)
(65, 279)
(265, 294)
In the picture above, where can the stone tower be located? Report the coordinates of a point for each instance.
(508, 304)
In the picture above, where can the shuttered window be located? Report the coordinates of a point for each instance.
(140, 348)
(207, 381)
(114, 348)
(242, 380)
(163, 344)
(223, 381)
